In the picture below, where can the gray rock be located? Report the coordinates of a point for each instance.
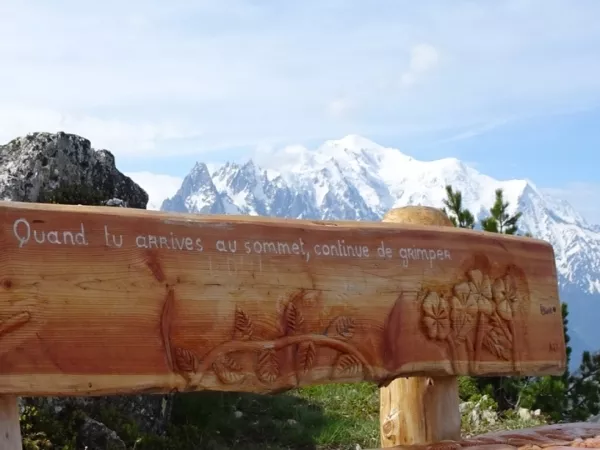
(36, 165)
(94, 435)
(116, 202)
(150, 413)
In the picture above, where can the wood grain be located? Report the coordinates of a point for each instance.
(10, 430)
(107, 300)
(419, 410)
(564, 436)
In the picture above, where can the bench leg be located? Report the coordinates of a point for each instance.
(419, 410)
(10, 429)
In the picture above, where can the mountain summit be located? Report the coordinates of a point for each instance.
(354, 178)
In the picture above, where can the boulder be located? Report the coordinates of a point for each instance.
(35, 166)
(94, 435)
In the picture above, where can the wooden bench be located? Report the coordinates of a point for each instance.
(109, 301)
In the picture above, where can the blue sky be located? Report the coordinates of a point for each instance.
(510, 86)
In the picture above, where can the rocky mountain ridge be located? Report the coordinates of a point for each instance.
(356, 179)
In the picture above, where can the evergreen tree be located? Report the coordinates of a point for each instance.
(500, 221)
(584, 389)
(459, 216)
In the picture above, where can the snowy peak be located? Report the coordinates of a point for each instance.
(357, 152)
(352, 142)
(356, 179)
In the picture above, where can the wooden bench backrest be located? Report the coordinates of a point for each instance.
(97, 301)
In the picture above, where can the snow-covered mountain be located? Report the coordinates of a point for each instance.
(356, 179)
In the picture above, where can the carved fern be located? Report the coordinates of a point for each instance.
(307, 355)
(185, 360)
(497, 344)
(228, 370)
(243, 326)
(292, 319)
(347, 366)
(267, 369)
(341, 327)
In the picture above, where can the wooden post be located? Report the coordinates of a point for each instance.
(10, 430)
(419, 410)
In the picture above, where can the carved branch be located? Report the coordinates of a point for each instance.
(283, 342)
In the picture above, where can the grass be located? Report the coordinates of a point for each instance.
(320, 417)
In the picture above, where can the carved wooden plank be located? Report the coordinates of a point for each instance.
(111, 300)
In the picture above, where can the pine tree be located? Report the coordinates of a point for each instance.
(584, 389)
(500, 221)
(459, 216)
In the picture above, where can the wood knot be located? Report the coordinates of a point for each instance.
(388, 428)
(153, 264)
(7, 284)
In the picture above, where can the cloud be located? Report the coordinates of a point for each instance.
(423, 58)
(144, 77)
(120, 136)
(158, 187)
(476, 130)
(340, 107)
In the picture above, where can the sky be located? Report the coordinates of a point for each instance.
(511, 87)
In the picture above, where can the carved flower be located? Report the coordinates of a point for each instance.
(464, 309)
(437, 316)
(481, 287)
(504, 291)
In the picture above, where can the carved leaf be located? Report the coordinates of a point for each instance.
(347, 366)
(497, 344)
(228, 370)
(243, 326)
(268, 367)
(307, 354)
(292, 319)
(500, 326)
(185, 360)
(341, 326)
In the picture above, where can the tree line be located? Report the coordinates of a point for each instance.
(569, 397)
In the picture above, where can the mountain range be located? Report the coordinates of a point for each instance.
(356, 179)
